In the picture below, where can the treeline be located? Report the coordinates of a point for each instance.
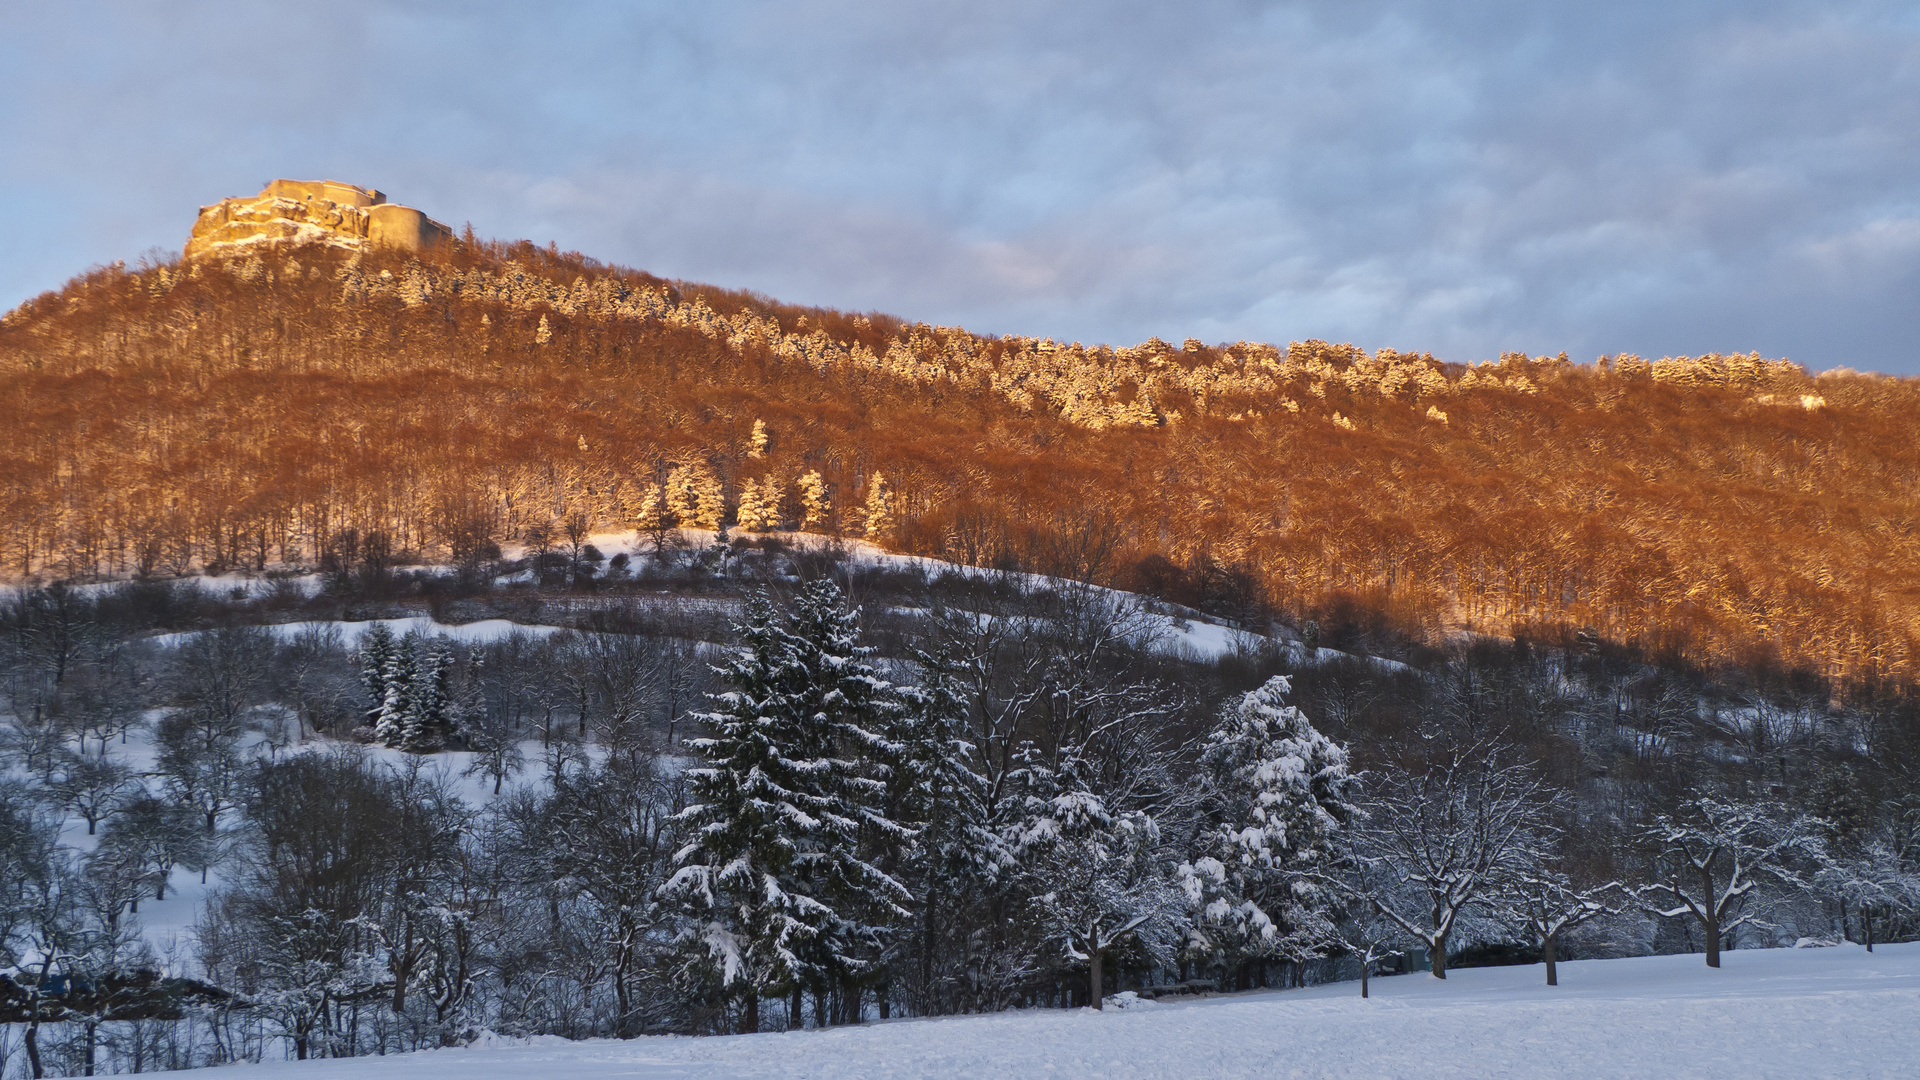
(307, 408)
(988, 792)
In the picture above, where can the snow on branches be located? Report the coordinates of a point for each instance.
(778, 872)
(1441, 846)
(1274, 796)
(1711, 854)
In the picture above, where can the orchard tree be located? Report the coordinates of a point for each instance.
(92, 787)
(1548, 904)
(1711, 855)
(209, 778)
(1095, 876)
(1441, 845)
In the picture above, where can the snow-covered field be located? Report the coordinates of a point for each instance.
(1792, 1014)
(481, 630)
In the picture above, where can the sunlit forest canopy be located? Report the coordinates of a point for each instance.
(274, 409)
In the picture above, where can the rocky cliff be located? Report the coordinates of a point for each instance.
(312, 212)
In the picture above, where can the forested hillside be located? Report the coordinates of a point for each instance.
(317, 408)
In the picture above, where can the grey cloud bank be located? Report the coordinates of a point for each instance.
(1462, 178)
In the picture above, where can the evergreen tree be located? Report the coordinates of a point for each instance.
(651, 517)
(682, 497)
(777, 875)
(851, 708)
(879, 515)
(955, 854)
(1093, 874)
(429, 720)
(759, 504)
(815, 506)
(1274, 796)
(376, 653)
(400, 680)
(710, 500)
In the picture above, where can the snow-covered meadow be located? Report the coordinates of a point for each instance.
(1156, 625)
(1792, 1014)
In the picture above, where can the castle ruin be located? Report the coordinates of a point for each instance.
(312, 212)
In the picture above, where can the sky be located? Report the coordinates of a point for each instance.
(1462, 177)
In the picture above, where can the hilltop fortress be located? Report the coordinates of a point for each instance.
(312, 212)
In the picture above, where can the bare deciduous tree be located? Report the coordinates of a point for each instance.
(1710, 855)
(1444, 843)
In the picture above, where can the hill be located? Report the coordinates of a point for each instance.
(318, 406)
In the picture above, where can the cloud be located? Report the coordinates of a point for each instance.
(1463, 177)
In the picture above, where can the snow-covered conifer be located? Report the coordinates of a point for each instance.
(757, 443)
(651, 517)
(1095, 876)
(402, 686)
(879, 512)
(934, 788)
(1274, 796)
(430, 719)
(814, 503)
(376, 652)
(682, 494)
(777, 873)
(709, 499)
(759, 504)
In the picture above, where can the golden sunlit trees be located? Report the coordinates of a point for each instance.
(286, 407)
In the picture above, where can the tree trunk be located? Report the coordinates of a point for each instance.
(1093, 975)
(750, 1014)
(1547, 950)
(1366, 966)
(1866, 925)
(1437, 952)
(33, 1051)
(1710, 920)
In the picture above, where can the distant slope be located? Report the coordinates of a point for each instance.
(208, 414)
(1805, 1014)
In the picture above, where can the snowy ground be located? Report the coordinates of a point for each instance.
(1164, 628)
(481, 630)
(1793, 1014)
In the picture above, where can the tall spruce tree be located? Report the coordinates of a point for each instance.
(376, 652)
(779, 873)
(430, 718)
(398, 704)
